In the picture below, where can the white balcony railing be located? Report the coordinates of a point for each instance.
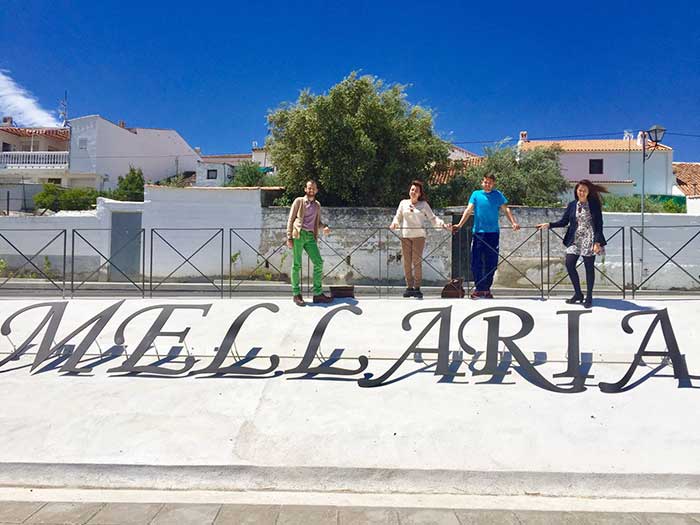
(34, 159)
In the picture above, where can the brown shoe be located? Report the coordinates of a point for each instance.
(323, 298)
(476, 294)
(299, 300)
(488, 294)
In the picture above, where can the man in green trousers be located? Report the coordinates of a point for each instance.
(302, 233)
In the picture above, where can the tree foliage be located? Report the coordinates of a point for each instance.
(633, 204)
(130, 186)
(55, 198)
(362, 141)
(247, 173)
(532, 179)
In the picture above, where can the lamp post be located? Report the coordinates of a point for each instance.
(655, 134)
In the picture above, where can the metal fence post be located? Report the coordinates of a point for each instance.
(65, 240)
(631, 229)
(624, 280)
(150, 263)
(72, 262)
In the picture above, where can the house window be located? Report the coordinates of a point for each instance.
(595, 166)
(55, 181)
(212, 174)
(82, 143)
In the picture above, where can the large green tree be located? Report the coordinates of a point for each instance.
(362, 141)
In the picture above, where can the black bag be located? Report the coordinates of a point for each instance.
(453, 289)
(341, 292)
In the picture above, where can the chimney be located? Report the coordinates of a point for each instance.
(121, 124)
(523, 136)
(7, 122)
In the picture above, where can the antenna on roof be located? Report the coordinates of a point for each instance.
(628, 135)
(63, 109)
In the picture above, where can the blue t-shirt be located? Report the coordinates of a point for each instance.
(486, 210)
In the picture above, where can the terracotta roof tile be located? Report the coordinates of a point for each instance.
(688, 177)
(443, 176)
(56, 133)
(589, 145)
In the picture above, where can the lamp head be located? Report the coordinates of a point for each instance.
(656, 133)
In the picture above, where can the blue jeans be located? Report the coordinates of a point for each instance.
(484, 259)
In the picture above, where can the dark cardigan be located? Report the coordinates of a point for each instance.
(569, 218)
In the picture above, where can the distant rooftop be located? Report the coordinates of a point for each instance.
(56, 133)
(688, 177)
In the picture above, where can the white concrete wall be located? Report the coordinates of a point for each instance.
(659, 179)
(185, 210)
(43, 229)
(111, 150)
(223, 172)
(693, 205)
(262, 157)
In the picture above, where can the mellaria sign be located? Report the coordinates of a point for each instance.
(48, 316)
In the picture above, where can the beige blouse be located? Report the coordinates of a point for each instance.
(409, 218)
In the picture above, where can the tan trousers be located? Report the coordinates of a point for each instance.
(412, 253)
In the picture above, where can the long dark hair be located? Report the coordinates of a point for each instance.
(418, 184)
(594, 190)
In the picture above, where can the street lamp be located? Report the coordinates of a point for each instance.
(654, 134)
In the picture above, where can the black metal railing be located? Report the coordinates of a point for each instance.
(260, 262)
(135, 279)
(159, 235)
(617, 235)
(16, 275)
(644, 274)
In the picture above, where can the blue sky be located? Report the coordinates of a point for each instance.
(212, 70)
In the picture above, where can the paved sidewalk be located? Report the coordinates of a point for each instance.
(213, 514)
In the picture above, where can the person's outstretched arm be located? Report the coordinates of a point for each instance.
(436, 221)
(512, 220)
(465, 217)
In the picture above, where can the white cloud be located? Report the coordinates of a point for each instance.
(22, 106)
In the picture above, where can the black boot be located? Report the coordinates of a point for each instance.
(408, 292)
(417, 293)
(588, 303)
(576, 298)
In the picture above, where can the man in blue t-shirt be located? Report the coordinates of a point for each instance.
(485, 205)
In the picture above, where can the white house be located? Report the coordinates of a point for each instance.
(33, 154)
(101, 151)
(91, 152)
(216, 170)
(615, 163)
(210, 174)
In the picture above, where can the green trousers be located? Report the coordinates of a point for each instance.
(307, 242)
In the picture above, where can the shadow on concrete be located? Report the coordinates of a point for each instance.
(333, 358)
(334, 302)
(618, 304)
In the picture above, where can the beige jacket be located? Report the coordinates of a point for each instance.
(296, 219)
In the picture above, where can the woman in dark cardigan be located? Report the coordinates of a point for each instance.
(584, 236)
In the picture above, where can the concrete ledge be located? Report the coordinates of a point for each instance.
(349, 480)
